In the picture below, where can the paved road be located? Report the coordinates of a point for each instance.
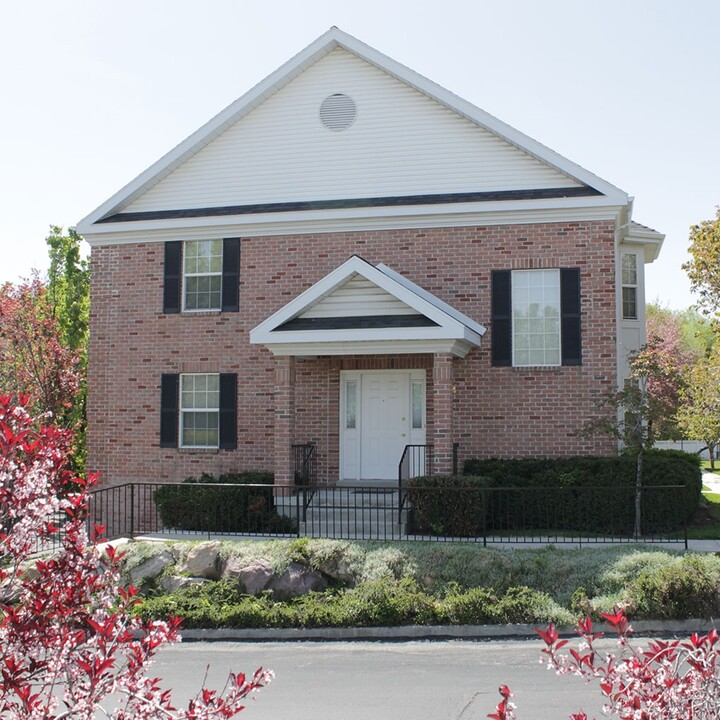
(450, 680)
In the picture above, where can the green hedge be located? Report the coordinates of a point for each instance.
(199, 504)
(450, 506)
(571, 495)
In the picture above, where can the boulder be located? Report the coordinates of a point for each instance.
(297, 580)
(171, 583)
(152, 567)
(337, 568)
(253, 577)
(203, 561)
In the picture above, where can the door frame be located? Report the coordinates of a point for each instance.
(350, 438)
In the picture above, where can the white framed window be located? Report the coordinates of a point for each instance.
(536, 317)
(200, 410)
(202, 275)
(629, 286)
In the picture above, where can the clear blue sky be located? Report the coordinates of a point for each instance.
(94, 92)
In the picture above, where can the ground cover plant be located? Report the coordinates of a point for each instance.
(441, 583)
(71, 647)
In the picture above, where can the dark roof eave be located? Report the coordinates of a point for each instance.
(389, 201)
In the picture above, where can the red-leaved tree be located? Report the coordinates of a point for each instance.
(70, 647)
(664, 680)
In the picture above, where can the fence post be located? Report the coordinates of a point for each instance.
(684, 506)
(297, 510)
(485, 514)
(132, 510)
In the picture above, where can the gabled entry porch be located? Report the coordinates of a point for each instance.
(363, 368)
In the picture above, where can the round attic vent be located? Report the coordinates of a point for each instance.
(337, 112)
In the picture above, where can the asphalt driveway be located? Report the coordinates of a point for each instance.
(447, 680)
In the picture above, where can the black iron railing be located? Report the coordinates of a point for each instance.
(305, 473)
(304, 464)
(475, 514)
(416, 460)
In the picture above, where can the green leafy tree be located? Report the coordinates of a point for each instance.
(636, 412)
(43, 338)
(68, 294)
(69, 287)
(703, 268)
(699, 413)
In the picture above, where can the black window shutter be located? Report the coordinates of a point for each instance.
(501, 318)
(228, 411)
(173, 278)
(231, 275)
(169, 398)
(570, 316)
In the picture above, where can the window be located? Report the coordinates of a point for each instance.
(351, 405)
(202, 275)
(418, 404)
(536, 317)
(198, 410)
(629, 286)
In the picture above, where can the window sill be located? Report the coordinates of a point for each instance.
(538, 368)
(199, 451)
(201, 313)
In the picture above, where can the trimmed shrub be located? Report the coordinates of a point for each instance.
(589, 494)
(200, 504)
(447, 505)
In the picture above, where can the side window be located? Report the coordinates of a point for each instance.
(536, 318)
(202, 275)
(198, 410)
(629, 286)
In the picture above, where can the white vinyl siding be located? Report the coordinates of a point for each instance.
(358, 297)
(202, 275)
(400, 143)
(536, 317)
(199, 410)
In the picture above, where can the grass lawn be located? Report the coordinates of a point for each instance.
(706, 467)
(706, 525)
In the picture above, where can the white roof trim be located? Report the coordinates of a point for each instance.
(458, 348)
(319, 48)
(452, 329)
(651, 240)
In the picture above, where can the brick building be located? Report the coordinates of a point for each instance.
(353, 257)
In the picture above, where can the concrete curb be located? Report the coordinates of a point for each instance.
(661, 628)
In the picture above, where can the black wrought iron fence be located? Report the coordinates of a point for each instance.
(416, 461)
(582, 515)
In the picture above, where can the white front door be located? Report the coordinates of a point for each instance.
(381, 413)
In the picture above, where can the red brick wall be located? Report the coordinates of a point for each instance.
(498, 411)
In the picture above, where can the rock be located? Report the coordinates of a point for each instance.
(336, 567)
(151, 568)
(297, 580)
(171, 583)
(253, 577)
(203, 561)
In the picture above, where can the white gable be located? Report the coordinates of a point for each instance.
(388, 316)
(401, 143)
(358, 297)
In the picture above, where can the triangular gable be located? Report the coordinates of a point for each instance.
(535, 163)
(361, 308)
